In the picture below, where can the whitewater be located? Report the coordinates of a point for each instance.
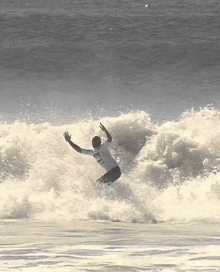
(55, 217)
(170, 170)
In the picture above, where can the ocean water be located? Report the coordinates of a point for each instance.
(149, 71)
(65, 60)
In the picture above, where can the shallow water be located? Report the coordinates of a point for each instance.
(28, 245)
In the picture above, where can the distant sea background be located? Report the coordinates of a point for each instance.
(61, 60)
(149, 71)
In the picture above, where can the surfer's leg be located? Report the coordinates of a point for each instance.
(111, 175)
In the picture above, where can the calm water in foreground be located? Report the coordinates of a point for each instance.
(108, 246)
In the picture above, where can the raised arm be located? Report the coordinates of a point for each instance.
(108, 135)
(68, 139)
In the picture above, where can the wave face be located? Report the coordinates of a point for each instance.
(170, 171)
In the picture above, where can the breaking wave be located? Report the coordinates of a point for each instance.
(170, 171)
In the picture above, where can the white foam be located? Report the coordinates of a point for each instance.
(169, 171)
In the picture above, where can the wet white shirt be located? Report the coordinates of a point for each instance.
(103, 156)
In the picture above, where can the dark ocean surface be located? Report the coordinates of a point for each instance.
(67, 59)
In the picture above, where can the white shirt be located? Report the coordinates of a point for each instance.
(102, 155)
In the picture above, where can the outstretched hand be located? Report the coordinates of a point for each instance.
(106, 132)
(102, 127)
(67, 136)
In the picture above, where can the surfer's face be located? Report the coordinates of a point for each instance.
(96, 141)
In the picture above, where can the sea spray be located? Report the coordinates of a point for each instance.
(182, 149)
(170, 171)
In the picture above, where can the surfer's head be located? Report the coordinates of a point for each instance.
(96, 141)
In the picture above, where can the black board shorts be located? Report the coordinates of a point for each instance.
(111, 175)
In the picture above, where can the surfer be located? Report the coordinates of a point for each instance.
(102, 155)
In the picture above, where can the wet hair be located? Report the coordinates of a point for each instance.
(96, 141)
